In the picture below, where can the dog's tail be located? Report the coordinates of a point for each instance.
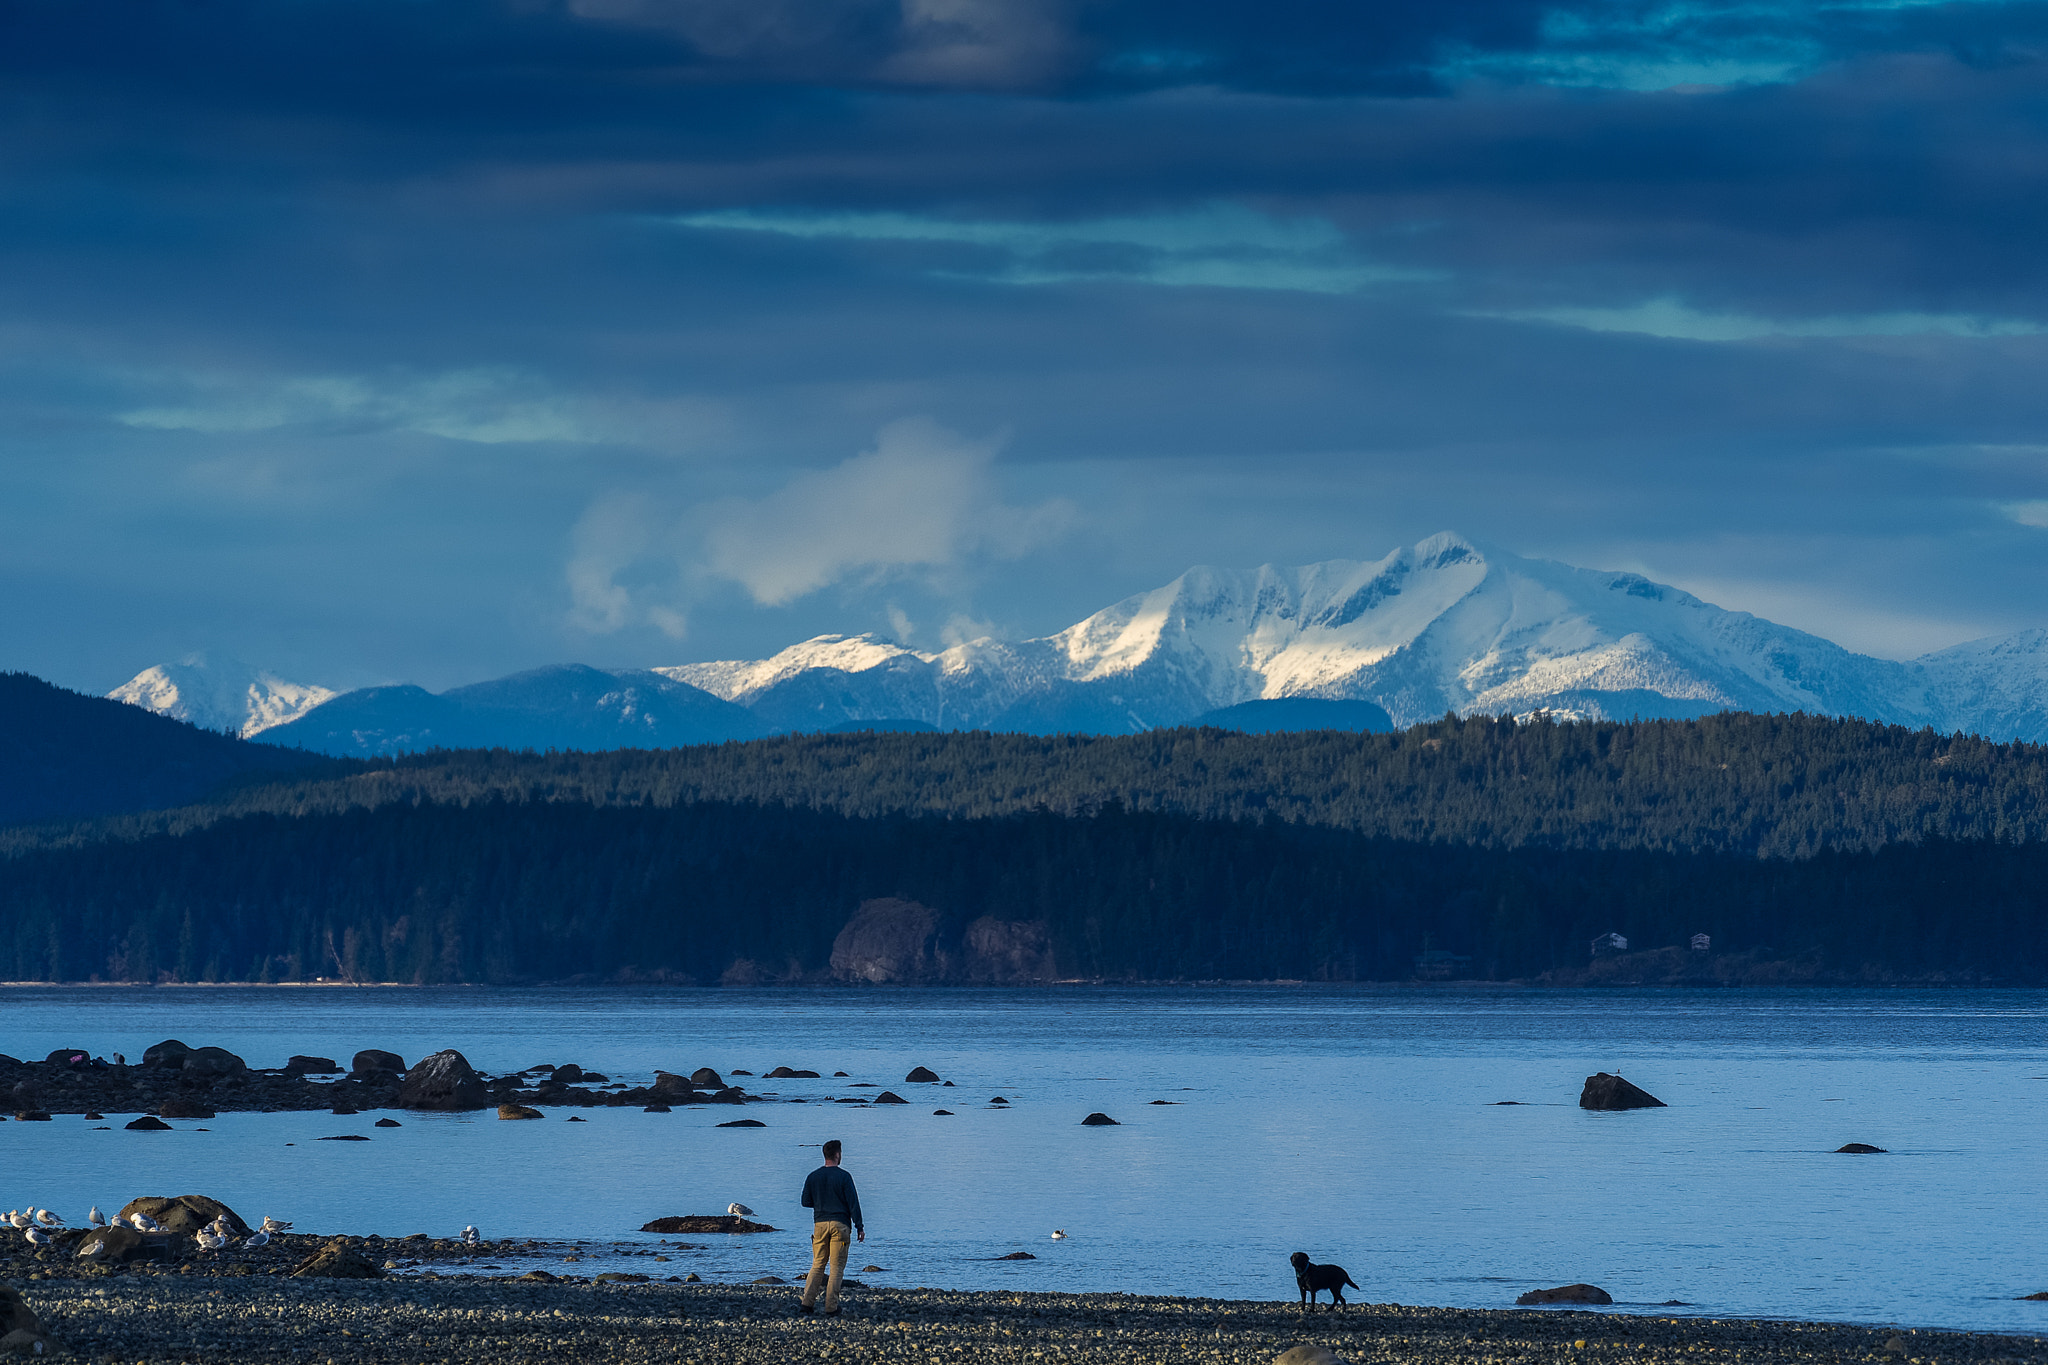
(1353, 1283)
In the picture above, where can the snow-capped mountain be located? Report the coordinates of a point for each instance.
(1440, 626)
(218, 693)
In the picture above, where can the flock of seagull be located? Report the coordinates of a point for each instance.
(35, 1224)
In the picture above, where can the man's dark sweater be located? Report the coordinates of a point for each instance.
(830, 1196)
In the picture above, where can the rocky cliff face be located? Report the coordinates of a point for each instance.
(901, 942)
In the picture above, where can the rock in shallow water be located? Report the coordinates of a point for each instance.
(1099, 1121)
(1571, 1293)
(445, 1081)
(518, 1111)
(1859, 1149)
(1603, 1091)
(147, 1124)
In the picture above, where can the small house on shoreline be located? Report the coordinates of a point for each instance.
(1610, 942)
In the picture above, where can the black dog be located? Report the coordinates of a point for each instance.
(1311, 1277)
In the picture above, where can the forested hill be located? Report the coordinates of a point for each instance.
(495, 892)
(1780, 786)
(64, 755)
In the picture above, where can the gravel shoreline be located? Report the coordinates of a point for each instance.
(146, 1317)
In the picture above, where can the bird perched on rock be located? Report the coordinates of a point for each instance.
(470, 1236)
(209, 1239)
(1059, 1234)
(142, 1222)
(738, 1210)
(273, 1225)
(257, 1239)
(95, 1218)
(48, 1219)
(38, 1236)
(18, 1219)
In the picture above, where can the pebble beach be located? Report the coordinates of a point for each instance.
(146, 1316)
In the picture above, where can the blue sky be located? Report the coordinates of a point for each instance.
(426, 340)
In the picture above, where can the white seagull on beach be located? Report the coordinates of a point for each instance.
(209, 1239)
(95, 1217)
(48, 1219)
(470, 1236)
(273, 1225)
(38, 1236)
(142, 1222)
(257, 1239)
(1059, 1234)
(738, 1210)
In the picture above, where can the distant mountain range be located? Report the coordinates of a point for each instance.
(1440, 626)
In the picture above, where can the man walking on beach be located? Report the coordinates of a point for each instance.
(834, 1205)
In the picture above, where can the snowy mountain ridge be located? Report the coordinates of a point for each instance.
(221, 694)
(1443, 625)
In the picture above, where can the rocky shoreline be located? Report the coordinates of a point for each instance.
(176, 1081)
(146, 1317)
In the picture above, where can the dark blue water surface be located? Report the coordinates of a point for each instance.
(1356, 1123)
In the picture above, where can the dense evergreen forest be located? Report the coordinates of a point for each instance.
(1764, 785)
(63, 755)
(503, 892)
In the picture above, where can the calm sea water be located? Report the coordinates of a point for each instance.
(1358, 1124)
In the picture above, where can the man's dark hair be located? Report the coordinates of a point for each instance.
(832, 1149)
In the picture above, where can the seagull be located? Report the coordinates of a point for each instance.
(209, 1240)
(257, 1239)
(95, 1217)
(273, 1225)
(470, 1236)
(1059, 1234)
(48, 1219)
(738, 1210)
(142, 1222)
(18, 1218)
(38, 1236)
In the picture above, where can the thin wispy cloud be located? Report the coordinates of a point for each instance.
(1218, 246)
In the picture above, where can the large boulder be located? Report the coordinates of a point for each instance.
(1603, 1091)
(69, 1057)
(338, 1261)
(1307, 1355)
(445, 1080)
(185, 1212)
(669, 1086)
(313, 1066)
(518, 1111)
(372, 1060)
(115, 1246)
(706, 1077)
(21, 1332)
(211, 1063)
(170, 1053)
(922, 1073)
(1571, 1293)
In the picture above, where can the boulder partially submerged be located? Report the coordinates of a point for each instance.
(706, 1222)
(444, 1081)
(1570, 1293)
(1603, 1091)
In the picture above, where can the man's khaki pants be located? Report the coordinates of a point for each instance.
(829, 1244)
